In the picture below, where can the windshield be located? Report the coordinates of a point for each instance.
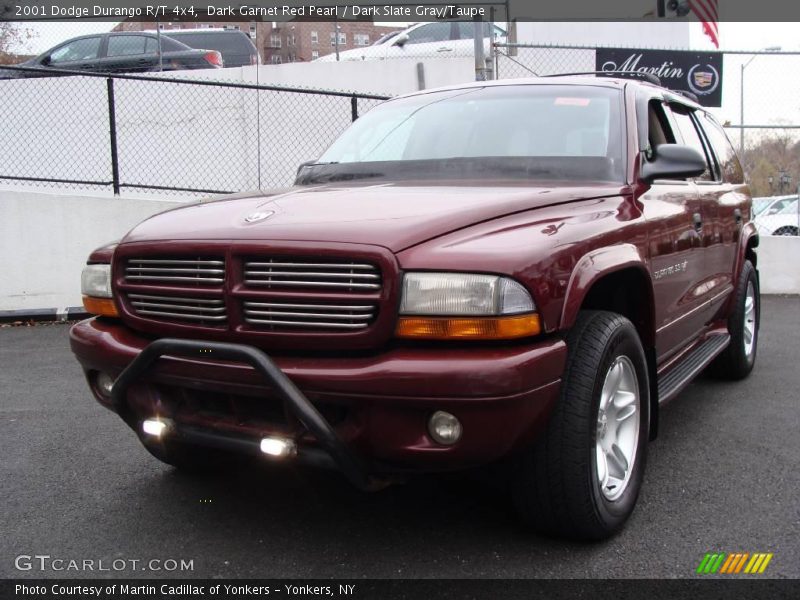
(516, 131)
(759, 204)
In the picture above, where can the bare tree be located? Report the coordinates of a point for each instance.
(12, 41)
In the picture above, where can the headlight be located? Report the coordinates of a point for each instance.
(96, 281)
(465, 305)
(457, 294)
(96, 290)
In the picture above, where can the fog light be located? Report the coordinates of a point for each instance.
(105, 383)
(156, 427)
(444, 428)
(278, 447)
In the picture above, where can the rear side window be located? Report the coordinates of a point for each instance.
(224, 42)
(129, 45)
(691, 137)
(729, 169)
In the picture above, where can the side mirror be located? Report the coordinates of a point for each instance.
(45, 61)
(401, 40)
(673, 161)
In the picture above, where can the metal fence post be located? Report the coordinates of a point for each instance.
(112, 126)
(353, 107)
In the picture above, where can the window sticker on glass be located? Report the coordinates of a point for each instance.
(562, 101)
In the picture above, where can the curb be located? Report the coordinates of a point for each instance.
(69, 313)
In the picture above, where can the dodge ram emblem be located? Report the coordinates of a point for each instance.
(259, 216)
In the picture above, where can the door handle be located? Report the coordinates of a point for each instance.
(698, 222)
(445, 49)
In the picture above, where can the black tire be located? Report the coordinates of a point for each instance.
(786, 231)
(555, 482)
(734, 362)
(188, 458)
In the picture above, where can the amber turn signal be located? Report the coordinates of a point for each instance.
(480, 328)
(103, 307)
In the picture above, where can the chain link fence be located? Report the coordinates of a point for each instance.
(165, 135)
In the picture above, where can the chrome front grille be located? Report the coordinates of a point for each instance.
(208, 311)
(281, 315)
(335, 276)
(176, 271)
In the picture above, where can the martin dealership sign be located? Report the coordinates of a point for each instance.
(697, 72)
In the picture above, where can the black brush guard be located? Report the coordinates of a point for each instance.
(305, 412)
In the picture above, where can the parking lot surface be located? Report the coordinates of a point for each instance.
(76, 485)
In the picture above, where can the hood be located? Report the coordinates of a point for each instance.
(395, 216)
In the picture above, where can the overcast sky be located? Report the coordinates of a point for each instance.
(733, 36)
(772, 84)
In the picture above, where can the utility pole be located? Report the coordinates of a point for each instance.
(481, 71)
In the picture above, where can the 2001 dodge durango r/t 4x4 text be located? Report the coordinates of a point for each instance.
(522, 270)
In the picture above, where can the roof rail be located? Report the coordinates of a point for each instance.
(649, 77)
(689, 95)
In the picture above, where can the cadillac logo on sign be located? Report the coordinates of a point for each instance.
(703, 82)
(697, 72)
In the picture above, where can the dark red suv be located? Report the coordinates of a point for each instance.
(520, 271)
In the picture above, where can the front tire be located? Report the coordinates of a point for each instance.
(582, 477)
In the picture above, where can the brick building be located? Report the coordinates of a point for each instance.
(289, 41)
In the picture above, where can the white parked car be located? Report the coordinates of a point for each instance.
(777, 216)
(424, 40)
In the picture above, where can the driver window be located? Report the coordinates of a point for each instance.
(83, 49)
(691, 137)
(658, 127)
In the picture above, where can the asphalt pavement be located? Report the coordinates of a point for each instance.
(75, 484)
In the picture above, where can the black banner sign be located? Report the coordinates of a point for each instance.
(697, 72)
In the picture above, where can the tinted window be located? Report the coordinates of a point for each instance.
(224, 42)
(466, 30)
(434, 32)
(83, 49)
(170, 45)
(728, 165)
(557, 123)
(129, 45)
(691, 137)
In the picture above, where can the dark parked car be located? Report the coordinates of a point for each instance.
(236, 47)
(128, 52)
(521, 271)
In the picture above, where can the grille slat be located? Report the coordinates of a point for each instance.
(199, 310)
(352, 276)
(315, 275)
(305, 316)
(199, 271)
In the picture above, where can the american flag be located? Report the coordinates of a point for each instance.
(707, 12)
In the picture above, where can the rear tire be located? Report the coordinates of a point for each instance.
(786, 231)
(576, 481)
(738, 359)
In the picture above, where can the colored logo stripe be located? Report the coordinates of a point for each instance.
(721, 562)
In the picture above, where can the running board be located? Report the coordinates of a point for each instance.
(670, 384)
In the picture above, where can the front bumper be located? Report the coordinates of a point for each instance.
(501, 395)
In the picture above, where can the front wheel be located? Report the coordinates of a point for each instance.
(582, 477)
